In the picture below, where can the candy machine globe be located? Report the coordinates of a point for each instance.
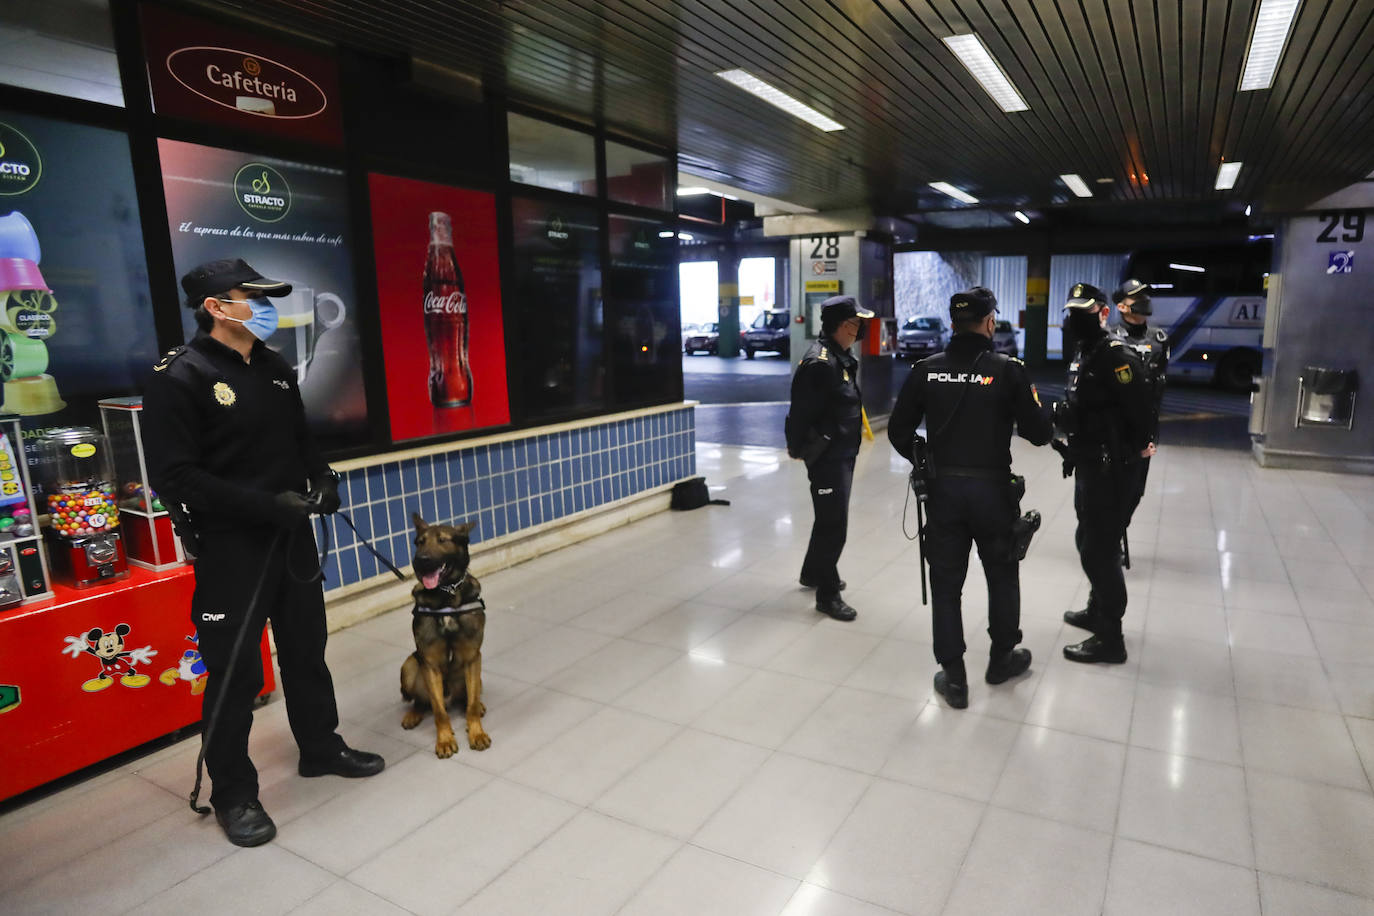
(76, 472)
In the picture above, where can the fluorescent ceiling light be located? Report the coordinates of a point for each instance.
(1189, 267)
(974, 55)
(1270, 33)
(1022, 217)
(775, 96)
(685, 236)
(1247, 209)
(692, 192)
(1076, 185)
(1226, 176)
(945, 187)
(666, 234)
(1161, 286)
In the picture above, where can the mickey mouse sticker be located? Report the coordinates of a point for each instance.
(115, 659)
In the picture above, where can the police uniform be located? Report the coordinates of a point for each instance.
(1152, 346)
(225, 438)
(1106, 414)
(823, 428)
(969, 397)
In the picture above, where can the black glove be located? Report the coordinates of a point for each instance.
(291, 507)
(325, 493)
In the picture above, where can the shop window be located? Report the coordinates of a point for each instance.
(636, 177)
(642, 309)
(558, 322)
(548, 156)
(64, 47)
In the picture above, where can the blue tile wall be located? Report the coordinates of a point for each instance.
(507, 486)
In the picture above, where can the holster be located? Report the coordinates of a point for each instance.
(814, 449)
(1022, 530)
(181, 524)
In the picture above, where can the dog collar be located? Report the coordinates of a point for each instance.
(476, 604)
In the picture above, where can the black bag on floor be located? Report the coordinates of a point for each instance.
(692, 494)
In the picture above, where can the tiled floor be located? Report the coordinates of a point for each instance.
(676, 731)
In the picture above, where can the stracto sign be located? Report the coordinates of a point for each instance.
(247, 82)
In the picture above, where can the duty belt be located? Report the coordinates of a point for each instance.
(978, 473)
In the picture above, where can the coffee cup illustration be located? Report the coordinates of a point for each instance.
(304, 316)
(27, 307)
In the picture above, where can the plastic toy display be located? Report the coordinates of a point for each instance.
(77, 476)
(23, 576)
(26, 321)
(149, 539)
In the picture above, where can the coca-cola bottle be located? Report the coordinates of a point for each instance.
(446, 319)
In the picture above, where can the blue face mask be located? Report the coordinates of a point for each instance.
(263, 322)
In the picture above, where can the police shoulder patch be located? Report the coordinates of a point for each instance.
(224, 395)
(824, 355)
(1124, 374)
(168, 358)
(1013, 359)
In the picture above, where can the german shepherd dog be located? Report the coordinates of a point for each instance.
(446, 666)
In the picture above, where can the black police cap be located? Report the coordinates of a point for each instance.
(1085, 296)
(1134, 289)
(838, 309)
(972, 303)
(215, 277)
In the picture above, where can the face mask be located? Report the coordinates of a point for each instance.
(263, 322)
(1082, 324)
(863, 332)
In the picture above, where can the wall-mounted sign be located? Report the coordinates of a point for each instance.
(1340, 262)
(823, 286)
(208, 72)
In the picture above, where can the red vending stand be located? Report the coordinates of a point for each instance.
(88, 673)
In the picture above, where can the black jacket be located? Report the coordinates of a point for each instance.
(969, 397)
(826, 401)
(1109, 401)
(224, 436)
(1152, 346)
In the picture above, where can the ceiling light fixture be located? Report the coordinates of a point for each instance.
(692, 192)
(1189, 267)
(1227, 174)
(1247, 209)
(1022, 217)
(1105, 180)
(685, 236)
(1076, 185)
(945, 187)
(775, 96)
(980, 63)
(666, 234)
(1268, 36)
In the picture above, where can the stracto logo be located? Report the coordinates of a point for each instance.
(20, 165)
(246, 82)
(262, 192)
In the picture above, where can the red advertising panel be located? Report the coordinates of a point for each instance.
(439, 290)
(208, 72)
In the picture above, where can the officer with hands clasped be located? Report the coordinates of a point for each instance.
(1132, 301)
(1106, 414)
(227, 440)
(823, 429)
(969, 397)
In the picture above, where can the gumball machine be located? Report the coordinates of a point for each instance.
(76, 471)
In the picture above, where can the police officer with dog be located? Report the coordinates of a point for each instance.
(1106, 415)
(1132, 300)
(823, 428)
(228, 445)
(969, 397)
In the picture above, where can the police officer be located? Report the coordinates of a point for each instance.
(227, 439)
(969, 397)
(823, 429)
(1106, 415)
(1132, 301)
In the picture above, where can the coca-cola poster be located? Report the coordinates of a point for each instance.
(439, 293)
(234, 76)
(289, 220)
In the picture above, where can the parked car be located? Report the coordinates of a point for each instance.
(704, 339)
(1004, 339)
(922, 336)
(771, 331)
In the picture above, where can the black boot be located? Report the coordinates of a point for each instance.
(344, 762)
(808, 582)
(1106, 649)
(1085, 619)
(834, 606)
(246, 824)
(1008, 666)
(954, 692)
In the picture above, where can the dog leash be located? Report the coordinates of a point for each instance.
(318, 574)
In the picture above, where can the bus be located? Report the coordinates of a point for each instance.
(1210, 301)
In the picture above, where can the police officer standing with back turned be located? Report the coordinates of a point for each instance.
(226, 438)
(1106, 416)
(969, 396)
(1132, 301)
(823, 429)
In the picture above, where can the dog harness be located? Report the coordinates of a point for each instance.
(476, 604)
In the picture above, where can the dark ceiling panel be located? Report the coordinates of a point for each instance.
(1142, 93)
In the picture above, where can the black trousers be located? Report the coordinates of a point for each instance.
(831, 481)
(963, 511)
(1136, 473)
(227, 571)
(1099, 499)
